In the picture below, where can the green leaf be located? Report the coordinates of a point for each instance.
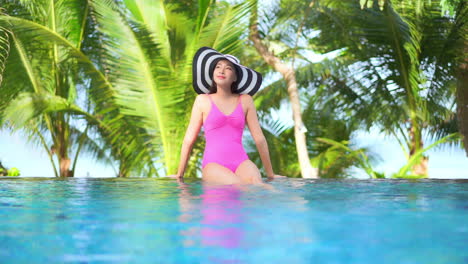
(13, 172)
(359, 154)
(30, 105)
(4, 50)
(418, 155)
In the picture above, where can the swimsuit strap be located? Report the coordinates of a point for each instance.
(240, 102)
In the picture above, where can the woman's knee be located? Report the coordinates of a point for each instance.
(248, 172)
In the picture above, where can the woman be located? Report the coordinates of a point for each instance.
(223, 107)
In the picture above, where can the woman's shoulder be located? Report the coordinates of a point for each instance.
(202, 98)
(202, 101)
(246, 98)
(247, 102)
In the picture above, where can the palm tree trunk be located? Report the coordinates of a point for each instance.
(64, 162)
(62, 144)
(416, 144)
(289, 75)
(123, 169)
(3, 170)
(65, 167)
(462, 98)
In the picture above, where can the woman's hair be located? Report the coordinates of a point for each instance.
(214, 88)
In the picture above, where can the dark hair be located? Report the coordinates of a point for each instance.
(214, 88)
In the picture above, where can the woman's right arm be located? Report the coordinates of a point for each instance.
(196, 121)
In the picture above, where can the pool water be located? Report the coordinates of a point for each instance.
(144, 220)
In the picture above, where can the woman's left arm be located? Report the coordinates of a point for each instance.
(258, 137)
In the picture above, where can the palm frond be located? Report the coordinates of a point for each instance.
(112, 125)
(359, 155)
(4, 50)
(27, 106)
(40, 34)
(140, 73)
(203, 11)
(89, 145)
(275, 126)
(226, 28)
(151, 14)
(415, 159)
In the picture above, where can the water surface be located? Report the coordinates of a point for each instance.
(142, 220)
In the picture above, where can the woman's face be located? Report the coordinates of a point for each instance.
(224, 73)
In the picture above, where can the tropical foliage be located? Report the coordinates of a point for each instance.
(43, 78)
(135, 73)
(398, 76)
(112, 78)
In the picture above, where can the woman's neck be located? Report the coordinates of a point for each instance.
(223, 91)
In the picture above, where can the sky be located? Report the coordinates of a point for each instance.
(444, 163)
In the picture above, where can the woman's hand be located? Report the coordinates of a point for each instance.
(180, 179)
(275, 176)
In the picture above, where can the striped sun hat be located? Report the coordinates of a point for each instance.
(204, 62)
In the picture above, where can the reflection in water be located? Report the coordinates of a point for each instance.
(217, 212)
(148, 221)
(221, 210)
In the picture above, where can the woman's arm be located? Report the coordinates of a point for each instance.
(196, 121)
(257, 134)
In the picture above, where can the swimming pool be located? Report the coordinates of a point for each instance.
(144, 220)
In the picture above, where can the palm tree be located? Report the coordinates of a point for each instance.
(4, 48)
(456, 50)
(332, 157)
(137, 74)
(395, 79)
(43, 78)
(149, 61)
(329, 133)
(288, 73)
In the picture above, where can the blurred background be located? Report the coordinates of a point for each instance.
(352, 89)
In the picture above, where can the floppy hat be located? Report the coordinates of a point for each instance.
(204, 61)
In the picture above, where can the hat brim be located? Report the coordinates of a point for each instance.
(204, 61)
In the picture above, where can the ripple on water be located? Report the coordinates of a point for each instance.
(296, 221)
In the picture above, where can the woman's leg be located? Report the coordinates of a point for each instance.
(249, 173)
(215, 174)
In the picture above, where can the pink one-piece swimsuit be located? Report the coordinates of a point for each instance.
(223, 135)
